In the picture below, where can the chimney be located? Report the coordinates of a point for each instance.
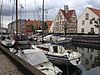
(66, 8)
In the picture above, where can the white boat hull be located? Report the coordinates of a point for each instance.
(8, 43)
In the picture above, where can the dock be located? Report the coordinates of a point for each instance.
(87, 39)
(7, 67)
(11, 64)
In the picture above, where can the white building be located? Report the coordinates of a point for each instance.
(65, 18)
(86, 21)
(12, 26)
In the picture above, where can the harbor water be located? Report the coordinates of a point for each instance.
(90, 60)
(90, 64)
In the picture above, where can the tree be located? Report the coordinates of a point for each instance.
(33, 29)
(97, 22)
(45, 26)
(65, 27)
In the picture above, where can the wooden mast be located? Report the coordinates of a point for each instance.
(16, 17)
(1, 17)
(43, 20)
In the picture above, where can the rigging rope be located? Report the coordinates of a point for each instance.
(38, 9)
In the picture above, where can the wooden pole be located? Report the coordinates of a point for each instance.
(43, 20)
(16, 17)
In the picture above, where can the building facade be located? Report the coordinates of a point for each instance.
(65, 19)
(86, 21)
(12, 26)
(27, 26)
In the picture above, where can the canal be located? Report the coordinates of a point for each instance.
(90, 64)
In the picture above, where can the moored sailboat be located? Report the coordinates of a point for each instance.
(36, 58)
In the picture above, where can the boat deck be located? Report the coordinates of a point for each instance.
(7, 67)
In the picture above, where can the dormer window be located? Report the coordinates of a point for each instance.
(87, 16)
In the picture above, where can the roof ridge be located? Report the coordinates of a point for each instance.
(93, 8)
(96, 11)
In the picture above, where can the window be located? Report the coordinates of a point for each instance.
(92, 30)
(93, 18)
(90, 21)
(82, 30)
(87, 16)
(55, 49)
(83, 22)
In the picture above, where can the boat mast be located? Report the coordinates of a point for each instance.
(16, 17)
(43, 20)
(1, 18)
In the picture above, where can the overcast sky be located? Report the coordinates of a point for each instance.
(29, 8)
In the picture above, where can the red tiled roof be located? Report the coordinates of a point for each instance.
(32, 22)
(67, 15)
(96, 11)
(36, 23)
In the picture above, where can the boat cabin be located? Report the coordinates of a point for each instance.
(53, 48)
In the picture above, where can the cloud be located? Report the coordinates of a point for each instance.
(52, 6)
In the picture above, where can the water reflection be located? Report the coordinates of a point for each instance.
(90, 64)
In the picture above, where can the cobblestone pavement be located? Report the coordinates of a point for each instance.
(7, 67)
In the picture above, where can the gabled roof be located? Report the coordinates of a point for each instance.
(96, 11)
(67, 15)
(32, 22)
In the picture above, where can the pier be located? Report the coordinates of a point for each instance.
(86, 39)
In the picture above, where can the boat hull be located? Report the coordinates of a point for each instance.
(58, 60)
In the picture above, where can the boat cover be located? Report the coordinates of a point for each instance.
(34, 57)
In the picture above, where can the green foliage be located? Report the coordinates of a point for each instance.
(33, 29)
(96, 22)
(93, 19)
(45, 26)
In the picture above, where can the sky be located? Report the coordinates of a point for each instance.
(31, 9)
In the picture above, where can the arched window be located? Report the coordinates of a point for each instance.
(87, 16)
